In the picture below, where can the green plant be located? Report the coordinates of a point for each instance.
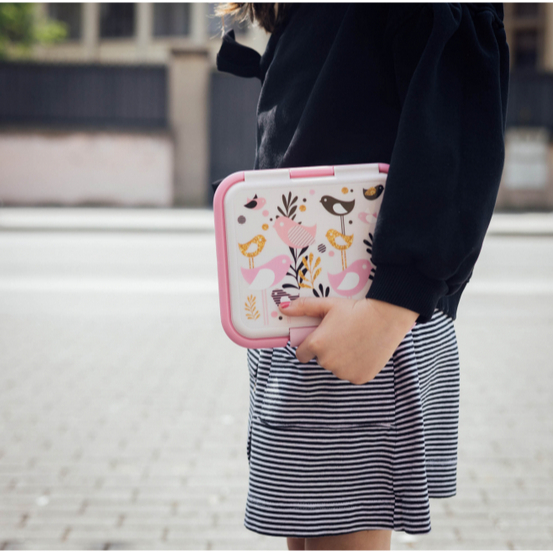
(21, 27)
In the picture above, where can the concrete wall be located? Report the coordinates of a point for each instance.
(96, 168)
(189, 73)
(527, 196)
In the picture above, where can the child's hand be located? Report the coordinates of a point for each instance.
(356, 338)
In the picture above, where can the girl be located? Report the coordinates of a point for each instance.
(352, 432)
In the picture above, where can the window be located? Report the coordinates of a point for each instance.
(70, 14)
(117, 20)
(214, 23)
(526, 10)
(524, 25)
(171, 19)
(525, 49)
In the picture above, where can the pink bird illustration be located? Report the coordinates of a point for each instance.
(293, 234)
(266, 276)
(255, 202)
(351, 281)
(367, 217)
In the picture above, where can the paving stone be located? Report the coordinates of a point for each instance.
(17, 533)
(82, 532)
(531, 544)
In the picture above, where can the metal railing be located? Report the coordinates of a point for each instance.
(83, 95)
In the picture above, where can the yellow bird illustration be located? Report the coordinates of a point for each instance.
(341, 242)
(253, 248)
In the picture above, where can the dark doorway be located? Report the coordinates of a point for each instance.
(233, 126)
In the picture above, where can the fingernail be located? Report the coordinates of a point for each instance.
(284, 304)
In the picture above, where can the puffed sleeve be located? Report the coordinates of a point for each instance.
(451, 68)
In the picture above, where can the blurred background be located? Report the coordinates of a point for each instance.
(120, 105)
(123, 406)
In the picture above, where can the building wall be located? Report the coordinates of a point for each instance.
(143, 47)
(74, 168)
(190, 60)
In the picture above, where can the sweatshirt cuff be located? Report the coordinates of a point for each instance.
(407, 287)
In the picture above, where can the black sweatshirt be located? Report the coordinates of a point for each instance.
(422, 87)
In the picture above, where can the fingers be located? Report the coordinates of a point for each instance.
(306, 350)
(308, 307)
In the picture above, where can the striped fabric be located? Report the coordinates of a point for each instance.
(329, 457)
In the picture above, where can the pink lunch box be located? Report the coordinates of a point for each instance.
(288, 233)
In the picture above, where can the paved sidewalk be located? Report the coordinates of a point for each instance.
(200, 220)
(123, 406)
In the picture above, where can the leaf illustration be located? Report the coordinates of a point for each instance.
(369, 244)
(322, 292)
(251, 312)
(305, 280)
(289, 207)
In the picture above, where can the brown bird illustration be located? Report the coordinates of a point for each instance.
(373, 192)
(338, 208)
(253, 248)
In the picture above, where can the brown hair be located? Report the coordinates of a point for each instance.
(267, 15)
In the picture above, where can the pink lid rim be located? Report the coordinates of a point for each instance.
(222, 271)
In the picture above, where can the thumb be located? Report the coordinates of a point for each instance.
(309, 307)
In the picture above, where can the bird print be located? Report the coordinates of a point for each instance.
(266, 276)
(339, 208)
(253, 248)
(341, 242)
(367, 218)
(255, 202)
(373, 192)
(293, 234)
(338, 240)
(351, 281)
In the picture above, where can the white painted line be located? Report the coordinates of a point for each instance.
(122, 286)
(524, 288)
(521, 223)
(107, 219)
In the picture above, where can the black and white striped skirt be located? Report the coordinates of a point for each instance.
(330, 457)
